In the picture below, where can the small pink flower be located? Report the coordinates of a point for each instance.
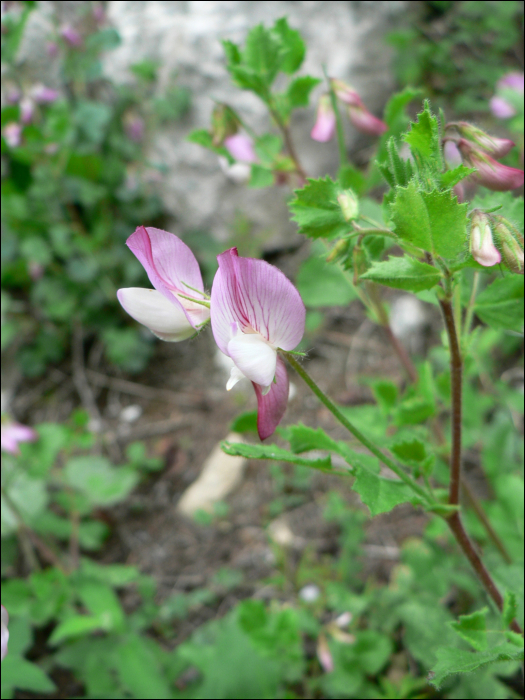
(27, 108)
(71, 35)
(14, 433)
(13, 95)
(175, 274)
(500, 108)
(12, 134)
(482, 245)
(99, 14)
(43, 94)
(5, 631)
(345, 93)
(495, 147)
(365, 121)
(255, 310)
(134, 127)
(240, 147)
(490, 173)
(325, 123)
(515, 81)
(324, 655)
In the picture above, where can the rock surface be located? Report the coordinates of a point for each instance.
(346, 37)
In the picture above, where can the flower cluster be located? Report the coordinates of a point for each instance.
(254, 310)
(493, 240)
(361, 118)
(478, 150)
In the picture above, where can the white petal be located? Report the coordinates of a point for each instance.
(255, 358)
(153, 310)
(235, 376)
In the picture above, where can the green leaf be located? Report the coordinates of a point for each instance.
(298, 91)
(317, 211)
(268, 148)
(293, 48)
(100, 600)
(322, 284)
(380, 494)
(452, 660)
(403, 273)
(140, 671)
(233, 54)
(76, 626)
(500, 305)
(410, 450)
(263, 54)
(433, 221)
(423, 138)
(102, 483)
(261, 177)
(452, 177)
(245, 423)
(22, 674)
(93, 119)
(202, 137)
(303, 438)
(273, 452)
(394, 114)
(473, 628)
(385, 393)
(510, 608)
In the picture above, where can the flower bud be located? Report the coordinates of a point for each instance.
(365, 122)
(224, 123)
(482, 245)
(349, 204)
(345, 93)
(339, 250)
(510, 242)
(491, 174)
(240, 147)
(325, 123)
(490, 144)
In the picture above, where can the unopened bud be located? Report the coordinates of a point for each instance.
(345, 93)
(365, 122)
(510, 242)
(349, 204)
(490, 144)
(325, 123)
(490, 173)
(224, 123)
(482, 245)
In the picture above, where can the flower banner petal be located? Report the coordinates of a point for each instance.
(258, 297)
(271, 407)
(254, 357)
(166, 319)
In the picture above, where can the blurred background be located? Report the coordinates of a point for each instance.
(124, 574)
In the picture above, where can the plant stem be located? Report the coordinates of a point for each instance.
(456, 372)
(454, 521)
(470, 308)
(466, 544)
(323, 398)
(482, 516)
(285, 131)
(343, 156)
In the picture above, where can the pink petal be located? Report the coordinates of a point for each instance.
(43, 94)
(345, 93)
(501, 109)
(482, 247)
(14, 433)
(171, 267)
(5, 631)
(325, 123)
(271, 407)
(365, 122)
(240, 147)
(491, 174)
(452, 155)
(258, 297)
(492, 145)
(514, 81)
(164, 318)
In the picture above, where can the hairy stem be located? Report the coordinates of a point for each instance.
(285, 131)
(323, 398)
(454, 521)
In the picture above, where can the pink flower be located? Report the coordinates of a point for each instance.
(482, 245)
(12, 134)
(490, 173)
(492, 145)
(256, 310)
(324, 655)
(500, 108)
(515, 81)
(240, 147)
(364, 121)
(5, 631)
(14, 433)
(134, 127)
(27, 108)
(345, 92)
(43, 94)
(325, 123)
(175, 274)
(70, 35)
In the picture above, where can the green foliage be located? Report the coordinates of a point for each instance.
(404, 273)
(316, 210)
(452, 660)
(500, 305)
(321, 284)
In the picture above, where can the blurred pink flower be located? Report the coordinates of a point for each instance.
(43, 94)
(52, 49)
(240, 147)
(491, 174)
(324, 655)
(71, 35)
(365, 121)
(501, 107)
(325, 123)
(27, 108)
(5, 631)
(134, 127)
(256, 310)
(174, 272)
(13, 433)
(12, 134)
(514, 81)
